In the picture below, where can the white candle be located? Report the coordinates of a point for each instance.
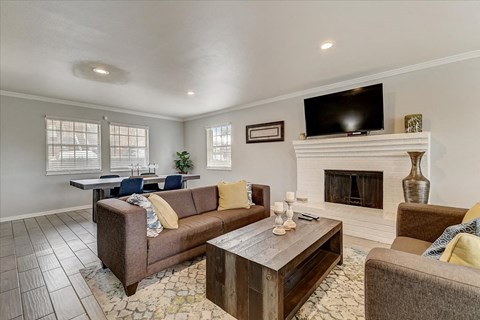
(278, 206)
(290, 196)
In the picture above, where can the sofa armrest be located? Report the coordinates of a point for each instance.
(425, 221)
(261, 197)
(122, 239)
(401, 285)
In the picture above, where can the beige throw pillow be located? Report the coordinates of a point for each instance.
(232, 195)
(167, 216)
(463, 250)
(473, 213)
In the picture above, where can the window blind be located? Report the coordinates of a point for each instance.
(73, 146)
(128, 146)
(219, 147)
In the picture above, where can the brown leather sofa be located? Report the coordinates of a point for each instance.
(401, 284)
(124, 247)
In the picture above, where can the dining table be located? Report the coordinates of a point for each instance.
(99, 186)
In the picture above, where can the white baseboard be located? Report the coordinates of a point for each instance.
(44, 213)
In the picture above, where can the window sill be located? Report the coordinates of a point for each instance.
(58, 173)
(220, 168)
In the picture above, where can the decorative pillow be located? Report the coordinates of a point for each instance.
(167, 216)
(232, 195)
(438, 247)
(473, 213)
(463, 250)
(154, 227)
(249, 194)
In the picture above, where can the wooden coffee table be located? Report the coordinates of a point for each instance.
(254, 274)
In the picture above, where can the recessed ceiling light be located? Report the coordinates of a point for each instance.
(190, 93)
(100, 71)
(326, 45)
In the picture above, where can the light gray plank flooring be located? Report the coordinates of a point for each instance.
(40, 259)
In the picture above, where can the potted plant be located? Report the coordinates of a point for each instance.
(183, 164)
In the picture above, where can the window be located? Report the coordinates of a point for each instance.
(128, 145)
(219, 147)
(73, 146)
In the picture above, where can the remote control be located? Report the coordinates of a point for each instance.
(311, 216)
(305, 218)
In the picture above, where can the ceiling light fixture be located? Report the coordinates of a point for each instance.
(190, 93)
(100, 71)
(326, 45)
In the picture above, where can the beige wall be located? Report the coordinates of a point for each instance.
(24, 187)
(448, 96)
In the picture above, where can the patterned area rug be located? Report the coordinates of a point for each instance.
(178, 293)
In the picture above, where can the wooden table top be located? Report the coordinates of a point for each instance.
(257, 243)
(109, 183)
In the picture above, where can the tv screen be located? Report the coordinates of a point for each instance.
(356, 110)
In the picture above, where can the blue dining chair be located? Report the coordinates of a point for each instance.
(114, 191)
(130, 186)
(173, 182)
(150, 187)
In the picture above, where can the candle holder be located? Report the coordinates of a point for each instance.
(279, 230)
(289, 224)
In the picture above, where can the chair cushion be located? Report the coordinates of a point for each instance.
(205, 198)
(410, 245)
(181, 202)
(164, 211)
(232, 195)
(237, 218)
(192, 232)
(473, 213)
(463, 250)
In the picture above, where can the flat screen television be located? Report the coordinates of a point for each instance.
(353, 111)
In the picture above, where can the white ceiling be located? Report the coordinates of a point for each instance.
(229, 53)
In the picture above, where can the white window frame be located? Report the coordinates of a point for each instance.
(147, 146)
(211, 163)
(75, 170)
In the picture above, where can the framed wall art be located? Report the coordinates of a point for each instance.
(265, 132)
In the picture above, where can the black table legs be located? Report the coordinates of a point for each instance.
(98, 194)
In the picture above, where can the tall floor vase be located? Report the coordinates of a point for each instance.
(416, 188)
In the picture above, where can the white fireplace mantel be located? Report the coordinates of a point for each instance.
(386, 153)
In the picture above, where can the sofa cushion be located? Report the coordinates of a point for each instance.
(205, 198)
(463, 250)
(410, 245)
(473, 213)
(237, 218)
(181, 202)
(167, 216)
(232, 195)
(192, 232)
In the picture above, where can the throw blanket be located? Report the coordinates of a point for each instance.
(154, 227)
(438, 247)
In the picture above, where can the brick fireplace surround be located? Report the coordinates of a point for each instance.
(386, 153)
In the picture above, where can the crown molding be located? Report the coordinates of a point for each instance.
(84, 105)
(347, 83)
(312, 91)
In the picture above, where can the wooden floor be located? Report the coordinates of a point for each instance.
(40, 259)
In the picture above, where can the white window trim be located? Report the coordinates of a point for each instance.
(79, 171)
(147, 157)
(220, 168)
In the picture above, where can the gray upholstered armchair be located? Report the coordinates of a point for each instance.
(400, 284)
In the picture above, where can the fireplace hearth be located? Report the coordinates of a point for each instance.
(356, 188)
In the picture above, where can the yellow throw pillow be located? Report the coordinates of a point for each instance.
(463, 250)
(232, 195)
(167, 216)
(473, 213)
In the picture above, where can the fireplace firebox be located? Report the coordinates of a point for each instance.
(357, 188)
